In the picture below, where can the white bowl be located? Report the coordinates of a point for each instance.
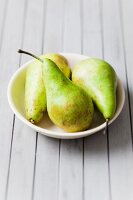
(16, 90)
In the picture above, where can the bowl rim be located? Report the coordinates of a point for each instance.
(55, 134)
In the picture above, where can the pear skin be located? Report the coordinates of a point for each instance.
(68, 105)
(35, 95)
(61, 62)
(99, 80)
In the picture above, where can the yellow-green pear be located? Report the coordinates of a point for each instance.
(68, 105)
(35, 94)
(99, 80)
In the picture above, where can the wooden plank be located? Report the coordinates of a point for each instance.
(22, 163)
(127, 30)
(71, 152)
(9, 62)
(47, 160)
(120, 144)
(53, 26)
(96, 182)
(71, 169)
(3, 14)
(21, 179)
(72, 27)
(92, 32)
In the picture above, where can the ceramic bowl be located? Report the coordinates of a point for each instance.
(16, 90)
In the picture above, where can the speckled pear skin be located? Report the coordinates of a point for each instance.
(61, 62)
(68, 105)
(35, 95)
(99, 80)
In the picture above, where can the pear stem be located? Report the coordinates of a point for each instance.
(106, 127)
(30, 54)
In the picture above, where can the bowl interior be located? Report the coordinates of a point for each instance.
(16, 92)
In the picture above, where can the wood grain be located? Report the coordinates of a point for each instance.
(24, 140)
(11, 40)
(120, 143)
(96, 174)
(127, 32)
(33, 166)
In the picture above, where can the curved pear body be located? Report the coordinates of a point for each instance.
(99, 80)
(68, 105)
(35, 94)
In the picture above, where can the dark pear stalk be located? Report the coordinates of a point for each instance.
(30, 54)
(106, 130)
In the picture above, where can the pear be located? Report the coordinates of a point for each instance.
(35, 94)
(68, 105)
(99, 80)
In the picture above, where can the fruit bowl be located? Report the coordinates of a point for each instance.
(16, 90)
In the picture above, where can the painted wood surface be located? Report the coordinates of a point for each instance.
(21, 172)
(11, 40)
(32, 166)
(120, 142)
(96, 173)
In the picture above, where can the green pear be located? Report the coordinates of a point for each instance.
(35, 94)
(99, 80)
(68, 105)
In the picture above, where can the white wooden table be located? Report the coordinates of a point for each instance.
(35, 167)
